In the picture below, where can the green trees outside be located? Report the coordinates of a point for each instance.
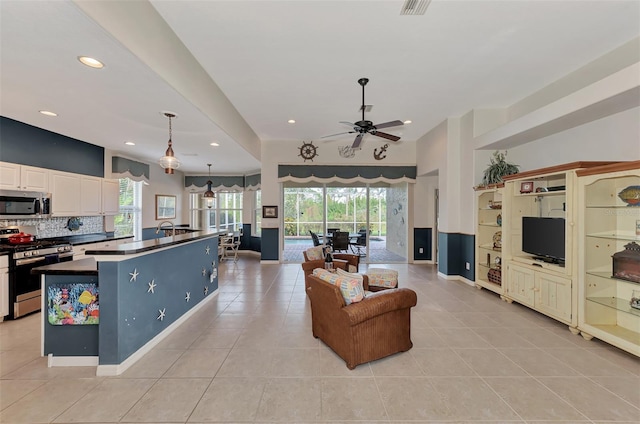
(346, 209)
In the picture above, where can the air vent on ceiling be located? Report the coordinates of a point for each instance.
(414, 7)
(367, 108)
(189, 154)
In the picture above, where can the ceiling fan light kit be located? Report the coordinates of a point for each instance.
(363, 126)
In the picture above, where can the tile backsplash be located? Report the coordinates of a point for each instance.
(57, 227)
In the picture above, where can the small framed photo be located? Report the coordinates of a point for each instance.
(165, 206)
(269, 211)
(526, 187)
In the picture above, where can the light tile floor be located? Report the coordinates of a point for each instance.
(249, 356)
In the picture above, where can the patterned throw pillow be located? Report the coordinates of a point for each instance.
(315, 253)
(350, 288)
(350, 274)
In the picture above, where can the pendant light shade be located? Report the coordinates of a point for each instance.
(209, 194)
(169, 162)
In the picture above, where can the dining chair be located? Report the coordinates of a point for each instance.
(340, 241)
(230, 245)
(360, 244)
(315, 238)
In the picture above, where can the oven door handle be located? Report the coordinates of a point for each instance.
(29, 261)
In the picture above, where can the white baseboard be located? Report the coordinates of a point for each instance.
(117, 369)
(71, 361)
(423, 261)
(269, 262)
(457, 277)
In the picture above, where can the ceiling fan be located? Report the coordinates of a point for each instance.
(367, 127)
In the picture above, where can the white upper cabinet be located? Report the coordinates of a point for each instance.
(65, 193)
(22, 177)
(90, 196)
(110, 197)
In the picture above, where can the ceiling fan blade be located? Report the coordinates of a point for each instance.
(352, 125)
(333, 135)
(389, 124)
(357, 141)
(385, 135)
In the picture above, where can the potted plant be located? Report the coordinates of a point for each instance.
(498, 168)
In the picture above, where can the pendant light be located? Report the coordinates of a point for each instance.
(209, 194)
(169, 162)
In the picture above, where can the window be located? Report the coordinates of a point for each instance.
(129, 221)
(225, 212)
(257, 214)
(229, 208)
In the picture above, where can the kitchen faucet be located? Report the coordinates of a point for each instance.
(173, 228)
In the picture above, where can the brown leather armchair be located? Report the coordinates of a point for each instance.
(344, 258)
(377, 326)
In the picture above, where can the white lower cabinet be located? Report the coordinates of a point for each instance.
(4, 287)
(545, 292)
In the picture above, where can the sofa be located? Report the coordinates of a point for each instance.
(377, 326)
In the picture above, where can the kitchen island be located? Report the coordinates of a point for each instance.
(112, 307)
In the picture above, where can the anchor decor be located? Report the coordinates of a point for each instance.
(381, 155)
(346, 151)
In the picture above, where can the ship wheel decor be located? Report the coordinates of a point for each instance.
(308, 151)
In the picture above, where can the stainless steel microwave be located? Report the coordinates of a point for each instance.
(24, 204)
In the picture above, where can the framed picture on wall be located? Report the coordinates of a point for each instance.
(269, 211)
(165, 206)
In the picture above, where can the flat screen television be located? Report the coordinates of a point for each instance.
(544, 238)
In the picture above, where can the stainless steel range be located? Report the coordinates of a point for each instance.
(26, 253)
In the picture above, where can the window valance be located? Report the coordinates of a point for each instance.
(252, 182)
(346, 174)
(127, 168)
(219, 183)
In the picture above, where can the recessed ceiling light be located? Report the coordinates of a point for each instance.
(214, 144)
(129, 143)
(91, 62)
(408, 121)
(291, 121)
(48, 113)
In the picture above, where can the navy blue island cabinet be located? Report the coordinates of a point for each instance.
(110, 308)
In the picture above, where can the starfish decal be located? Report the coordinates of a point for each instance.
(207, 250)
(152, 285)
(162, 314)
(188, 296)
(134, 275)
(204, 272)
(206, 290)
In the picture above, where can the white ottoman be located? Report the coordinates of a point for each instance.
(382, 278)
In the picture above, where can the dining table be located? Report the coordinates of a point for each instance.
(329, 236)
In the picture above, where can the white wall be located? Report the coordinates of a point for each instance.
(161, 183)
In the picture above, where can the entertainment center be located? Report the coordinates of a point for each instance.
(569, 246)
(539, 246)
(608, 226)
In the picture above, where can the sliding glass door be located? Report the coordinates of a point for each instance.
(356, 209)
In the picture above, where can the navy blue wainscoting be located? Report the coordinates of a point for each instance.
(69, 340)
(249, 242)
(422, 239)
(270, 244)
(455, 250)
(130, 312)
